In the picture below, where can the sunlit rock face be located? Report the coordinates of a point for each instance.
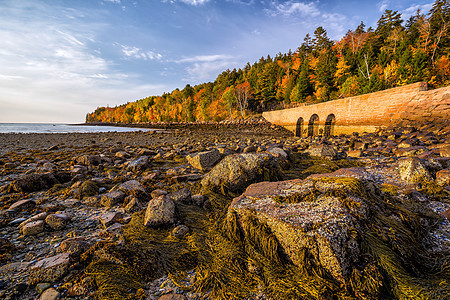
(321, 213)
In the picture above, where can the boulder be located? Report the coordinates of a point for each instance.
(413, 170)
(204, 160)
(49, 269)
(300, 218)
(236, 172)
(160, 211)
(74, 246)
(112, 198)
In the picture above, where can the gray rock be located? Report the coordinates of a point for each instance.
(160, 211)
(112, 198)
(180, 231)
(236, 172)
(110, 218)
(324, 151)
(88, 160)
(204, 160)
(22, 205)
(182, 195)
(50, 294)
(49, 269)
(75, 246)
(198, 199)
(33, 228)
(138, 164)
(132, 187)
(157, 193)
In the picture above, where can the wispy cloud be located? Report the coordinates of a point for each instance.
(408, 12)
(189, 2)
(291, 8)
(137, 53)
(205, 67)
(383, 5)
(50, 70)
(206, 58)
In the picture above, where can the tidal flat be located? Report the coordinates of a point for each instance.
(245, 212)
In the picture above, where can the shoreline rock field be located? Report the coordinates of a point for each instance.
(220, 211)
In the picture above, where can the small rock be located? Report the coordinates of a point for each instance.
(413, 170)
(112, 198)
(198, 199)
(160, 211)
(110, 218)
(354, 153)
(138, 164)
(22, 205)
(74, 246)
(132, 187)
(41, 287)
(33, 228)
(182, 195)
(204, 160)
(49, 269)
(324, 151)
(57, 221)
(157, 193)
(49, 294)
(173, 297)
(180, 231)
(446, 214)
(443, 177)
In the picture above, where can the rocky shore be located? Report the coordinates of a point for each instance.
(222, 211)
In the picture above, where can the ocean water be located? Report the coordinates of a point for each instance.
(60, 128)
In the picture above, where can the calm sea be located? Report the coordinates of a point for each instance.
(60, 128)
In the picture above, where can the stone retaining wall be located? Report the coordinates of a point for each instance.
(407, 104)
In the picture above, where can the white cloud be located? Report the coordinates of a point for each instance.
(138, 53)
(383, 5)
(206, 58)
(291, 8)
(189, 2)
(195, 2)
(49, 72)
(408, 12)
(206, 67)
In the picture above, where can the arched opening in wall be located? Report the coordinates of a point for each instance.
(299, 127)
(313, 125)
(329, 125)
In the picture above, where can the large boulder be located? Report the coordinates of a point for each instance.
(305, 214)
(32, 182)
(236, 172)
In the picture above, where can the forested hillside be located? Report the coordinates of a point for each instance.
(395, 53)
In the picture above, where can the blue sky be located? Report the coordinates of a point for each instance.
(61, 59)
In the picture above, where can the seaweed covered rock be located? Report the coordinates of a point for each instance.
(235, 172)
(337, 229)
(413, 170)
(32, 182)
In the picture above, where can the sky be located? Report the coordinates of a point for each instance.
(61, 59)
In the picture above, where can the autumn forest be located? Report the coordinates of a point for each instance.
(395, 53)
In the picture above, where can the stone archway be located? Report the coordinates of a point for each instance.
(329, 125)
(299, 127)
(313, 125)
